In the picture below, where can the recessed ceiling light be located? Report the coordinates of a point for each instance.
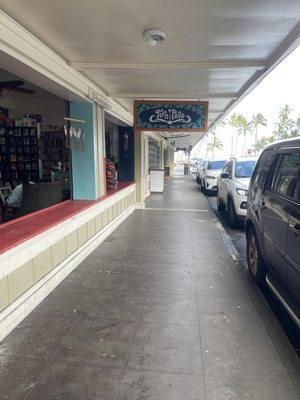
(154, 37)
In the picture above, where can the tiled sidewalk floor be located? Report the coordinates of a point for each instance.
(159, 311)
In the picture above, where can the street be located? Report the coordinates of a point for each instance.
(238, 239)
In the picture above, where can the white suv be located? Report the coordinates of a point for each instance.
(210, 174)
(199, 173)
(233, 186)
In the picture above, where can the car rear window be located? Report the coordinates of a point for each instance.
(216, 164)
(244, 169)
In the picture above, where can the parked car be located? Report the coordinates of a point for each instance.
(232, 188)
(195, 161)
(273, 223)
(194, 166)
(199, 172)
(210, 174)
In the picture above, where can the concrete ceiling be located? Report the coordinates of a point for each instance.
(215, 50)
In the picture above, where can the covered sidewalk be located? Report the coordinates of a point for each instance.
(158, 311)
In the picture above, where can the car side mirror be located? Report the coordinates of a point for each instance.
(225, 175)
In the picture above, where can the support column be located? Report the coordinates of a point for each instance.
(100, 118)
(161, 163)
(84, 160)
(146, 165)
(139, 160)
(171, 160)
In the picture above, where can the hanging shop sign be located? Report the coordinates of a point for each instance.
(156, 115)
(97, 98)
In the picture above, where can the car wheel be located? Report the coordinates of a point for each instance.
(255, 261)
(233, 221)
(220, 205)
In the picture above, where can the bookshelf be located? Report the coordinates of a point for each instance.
(18, 148)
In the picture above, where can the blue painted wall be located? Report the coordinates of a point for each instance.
(83, 162)
(126, 154)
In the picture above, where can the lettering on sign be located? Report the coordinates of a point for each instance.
(97, 98)
(170, 116)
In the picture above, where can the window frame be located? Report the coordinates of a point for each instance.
(274, 174)
(255, 174)
(230, 168)
(227, 167)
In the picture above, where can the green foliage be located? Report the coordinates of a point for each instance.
(296, 132)
(242, 127)
(262, 143)
(214, 144)
(257, 120)
(285, 127)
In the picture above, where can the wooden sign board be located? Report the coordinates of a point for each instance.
(183, 116)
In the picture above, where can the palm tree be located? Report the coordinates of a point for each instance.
(263, 142)
(214, 144)
(234, 123)
(296, 131)
(284, 128)
(244, 128)
(241, 126)
(257, 120)
(213, 131)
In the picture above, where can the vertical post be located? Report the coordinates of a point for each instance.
(84, 158)
(146, 166)
(171, 161)
(139, 161)
(161, 144)
(100, 123)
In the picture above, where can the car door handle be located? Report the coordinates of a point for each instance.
(262, 204)
(295, 228)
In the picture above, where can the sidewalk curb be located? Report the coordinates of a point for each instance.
(226, 239)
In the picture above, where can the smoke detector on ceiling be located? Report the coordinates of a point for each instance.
(154, 37)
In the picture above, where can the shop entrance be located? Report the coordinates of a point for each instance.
(34, 150)
(119, 150)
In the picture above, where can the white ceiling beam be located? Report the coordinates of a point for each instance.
(205, 65)
(173, 96)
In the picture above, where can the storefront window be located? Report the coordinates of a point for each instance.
(34, 153)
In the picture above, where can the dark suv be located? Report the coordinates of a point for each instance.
(273, 223)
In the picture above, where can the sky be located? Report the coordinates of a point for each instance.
(281, 86)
